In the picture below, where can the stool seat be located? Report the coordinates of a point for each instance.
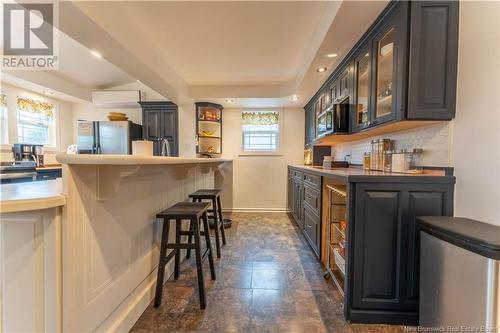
(213, 195)
(205, 193)
(184, 210)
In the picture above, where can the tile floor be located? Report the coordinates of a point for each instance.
(267, 281)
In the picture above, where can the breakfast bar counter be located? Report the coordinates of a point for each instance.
(111, 234)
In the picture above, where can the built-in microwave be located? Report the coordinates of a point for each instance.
(335, 119)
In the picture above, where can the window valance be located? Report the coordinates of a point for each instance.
(3, 100)
(31, 105)
(260, 118)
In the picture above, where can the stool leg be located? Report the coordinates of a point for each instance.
(190, 239)
(223, 232)
(161, 265)
(199, 264)
(177, 251)
(216, 224)
(204, 217)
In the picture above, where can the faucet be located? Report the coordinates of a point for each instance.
(165, 147)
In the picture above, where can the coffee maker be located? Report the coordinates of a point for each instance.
(28, 152)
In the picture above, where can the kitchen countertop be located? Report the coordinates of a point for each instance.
(355, 174)
(50, 167)
(132, 160)
(19, 197)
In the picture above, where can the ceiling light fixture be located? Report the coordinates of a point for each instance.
(295, 98)
(47, 93)
(96, 54)
(321, 69)
(332, 55)
(229, 100)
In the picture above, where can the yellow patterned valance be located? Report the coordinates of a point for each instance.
(260, 118)
(35, 106)
(3, 100)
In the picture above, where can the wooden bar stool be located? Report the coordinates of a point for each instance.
(196, 212)
(214, 196)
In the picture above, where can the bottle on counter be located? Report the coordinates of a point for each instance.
(374, 155)
(416, 162)
(366, 160)
(388, 161)
(401, 161)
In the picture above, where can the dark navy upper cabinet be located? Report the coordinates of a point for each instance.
(433, 54)
(310, 126)
(404, 66)
(159, 122)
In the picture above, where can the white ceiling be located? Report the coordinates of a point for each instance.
(218, 43)
(78, 65)
(250, 51)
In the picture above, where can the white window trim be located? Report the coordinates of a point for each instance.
(278, 152)
(12, 120)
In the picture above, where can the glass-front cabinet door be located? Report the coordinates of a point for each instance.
(387, 54)
(384, 74)
(362, 99)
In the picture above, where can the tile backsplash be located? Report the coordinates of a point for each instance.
(433, 139)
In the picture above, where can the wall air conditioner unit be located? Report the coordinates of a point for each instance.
(117, 98)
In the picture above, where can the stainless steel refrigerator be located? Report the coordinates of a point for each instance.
(107, 137)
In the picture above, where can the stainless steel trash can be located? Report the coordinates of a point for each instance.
(459, 274)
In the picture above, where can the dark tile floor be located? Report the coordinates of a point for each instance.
(267, 281)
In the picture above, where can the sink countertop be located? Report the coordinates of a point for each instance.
(132, 160)
(28, 196)
(355, 174)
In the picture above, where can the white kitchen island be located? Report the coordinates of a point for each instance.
(80, 254)
(110, 233)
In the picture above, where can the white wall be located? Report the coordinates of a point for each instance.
(87, 111)
(433, 139)
(64, 131)
(259, 182)
(476, 128)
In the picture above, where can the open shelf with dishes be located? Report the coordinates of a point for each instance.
(208, 128)
(336, 235)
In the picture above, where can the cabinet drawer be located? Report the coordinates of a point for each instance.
(313, 198)
(297, 174)
(313, 180)
(311, 229)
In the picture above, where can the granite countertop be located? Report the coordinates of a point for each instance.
(19, 197)
(132, 160)
(358, 174)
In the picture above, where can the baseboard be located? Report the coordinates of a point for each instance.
(255, 210)
(128, 312)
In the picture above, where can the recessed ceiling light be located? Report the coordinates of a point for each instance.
(321, 69)
(96, 54)
(229, 100)
(295, 98)
(332, 55)
(47, 93)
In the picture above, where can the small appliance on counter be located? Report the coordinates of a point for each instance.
(313, 155)
(18, 172)
(107, 137)
(330, 163)
(28, 152)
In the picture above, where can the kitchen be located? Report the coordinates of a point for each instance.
(320, 158)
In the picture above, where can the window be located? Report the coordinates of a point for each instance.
(260, 131)
(35, 122)
(4, 125)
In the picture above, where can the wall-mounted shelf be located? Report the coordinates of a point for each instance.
(208, 121)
